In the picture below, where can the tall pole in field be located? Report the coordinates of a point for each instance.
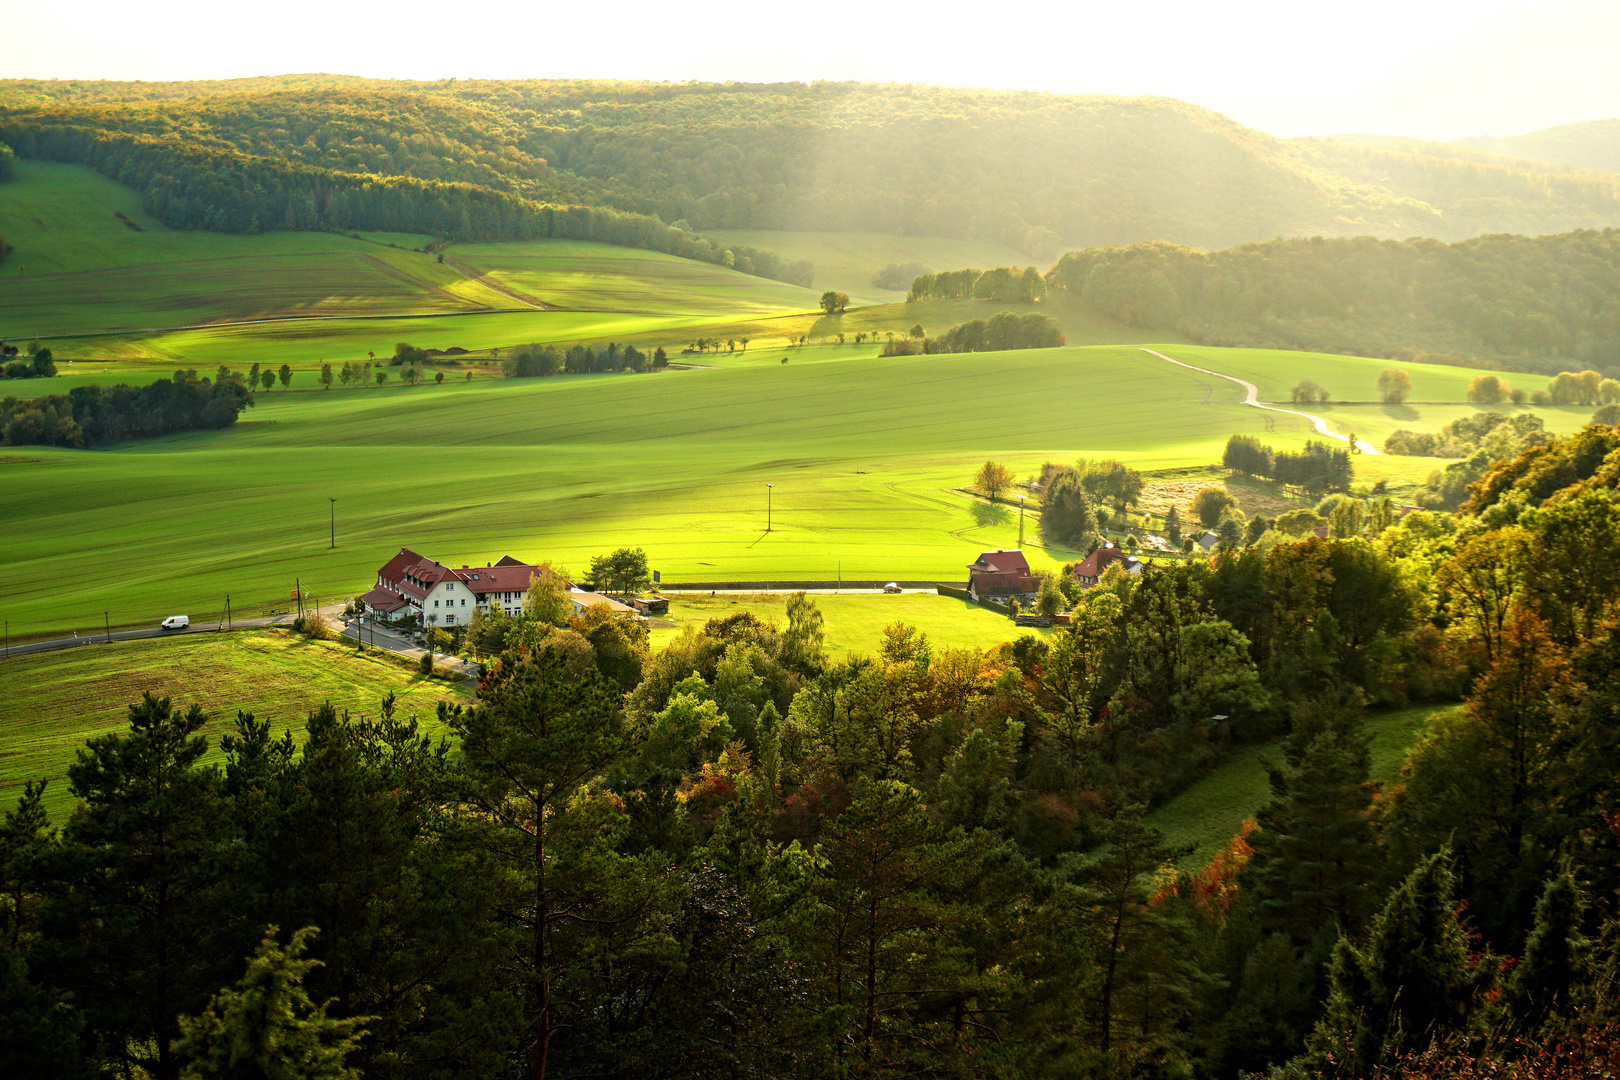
(106, 622)
(298, 594)
(1021, 499)
(333, 501)
(768, 488)
(227, 611)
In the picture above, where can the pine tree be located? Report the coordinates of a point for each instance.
(1314, 855)
(267, 1026)
(1413, 980)
(1556, 956)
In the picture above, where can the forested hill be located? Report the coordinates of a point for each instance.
(1038, 171)
(1547, 303)
(1593, 145)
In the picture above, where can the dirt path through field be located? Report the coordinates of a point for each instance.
(1252, 397)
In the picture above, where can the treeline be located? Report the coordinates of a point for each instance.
(96, 416)
(529, 361)
(8, 163)
(1548, 302)
(1002, 331)
(739, 857)
(1498, 434)
(190, 186)
(1037, 172)
(1008, 284)
(1317, 469)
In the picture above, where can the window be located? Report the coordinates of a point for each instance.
(450, 586)
(449, 618)
(435, 603)
(464, 603)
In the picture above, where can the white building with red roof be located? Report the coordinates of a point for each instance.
(440, 595)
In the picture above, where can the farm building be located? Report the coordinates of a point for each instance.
(1090, 571)
(439, 595)
(1000, 573)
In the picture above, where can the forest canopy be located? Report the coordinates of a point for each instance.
(1548, 302)
(1036, 171)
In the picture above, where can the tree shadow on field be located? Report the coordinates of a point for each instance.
(1401, 412)
(989, 513)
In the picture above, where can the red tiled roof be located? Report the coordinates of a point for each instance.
(381, 599)
(1002, 562)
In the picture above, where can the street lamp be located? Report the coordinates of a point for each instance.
(768, 488)
(333, 501)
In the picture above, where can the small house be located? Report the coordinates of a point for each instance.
(1000, 573)
(1089, 572)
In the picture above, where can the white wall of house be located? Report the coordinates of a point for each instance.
(449, 603)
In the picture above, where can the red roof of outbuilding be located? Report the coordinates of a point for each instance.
(1001, 561)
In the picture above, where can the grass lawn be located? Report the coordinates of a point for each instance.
(55, 701)
(1347, 378)
(854, 622)
(1211, 812)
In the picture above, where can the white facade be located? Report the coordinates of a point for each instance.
(449, 603)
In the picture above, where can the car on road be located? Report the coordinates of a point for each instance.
(892, 586)
(177, 622)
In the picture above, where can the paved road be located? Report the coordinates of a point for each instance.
(93, 638)
(676, 590)
(384, 638)
(1252, 397)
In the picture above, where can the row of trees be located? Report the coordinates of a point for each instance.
(528, 361)
(738, 857)
(1546, 301)
(1007, 284)
(40, 363)
(96, 416)
(1001, 331)
(1317, 469)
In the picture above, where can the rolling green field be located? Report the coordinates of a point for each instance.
(1211, 812)
(854, 622)
(55, 701)
(866, 457)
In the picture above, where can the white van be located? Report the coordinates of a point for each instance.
(177, 622)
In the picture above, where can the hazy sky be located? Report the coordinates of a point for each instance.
(1290, 67)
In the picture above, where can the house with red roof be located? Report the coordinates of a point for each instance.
(1000, 573)
(1090, 571)
(440, 595)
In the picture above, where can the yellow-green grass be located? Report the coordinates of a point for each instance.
(854, 622)
(61, 219)
(1208, 814)
(307, 342)
(866, 456)
(597, 277)
(1347, 378)
(55, 701)
(847, 261)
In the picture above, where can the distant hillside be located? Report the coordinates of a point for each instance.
(1549, 303)
(1592, 145)
(1038, 172)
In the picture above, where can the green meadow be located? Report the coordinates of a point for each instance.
(1209, 813)
(55, 701)
(867, 458)
(854, 622)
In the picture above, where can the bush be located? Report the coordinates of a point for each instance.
(316, 626)
(425, 664)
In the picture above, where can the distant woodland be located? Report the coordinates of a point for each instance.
(1550, 303)
(1040, 172)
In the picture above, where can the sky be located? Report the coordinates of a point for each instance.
(1421, 68)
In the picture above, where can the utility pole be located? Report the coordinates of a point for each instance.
(227, 611)
(768, 488)
(8, 639)
(333, 501)
(106, 622)
(840, 575)
(298, 591)
(1021, 499)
